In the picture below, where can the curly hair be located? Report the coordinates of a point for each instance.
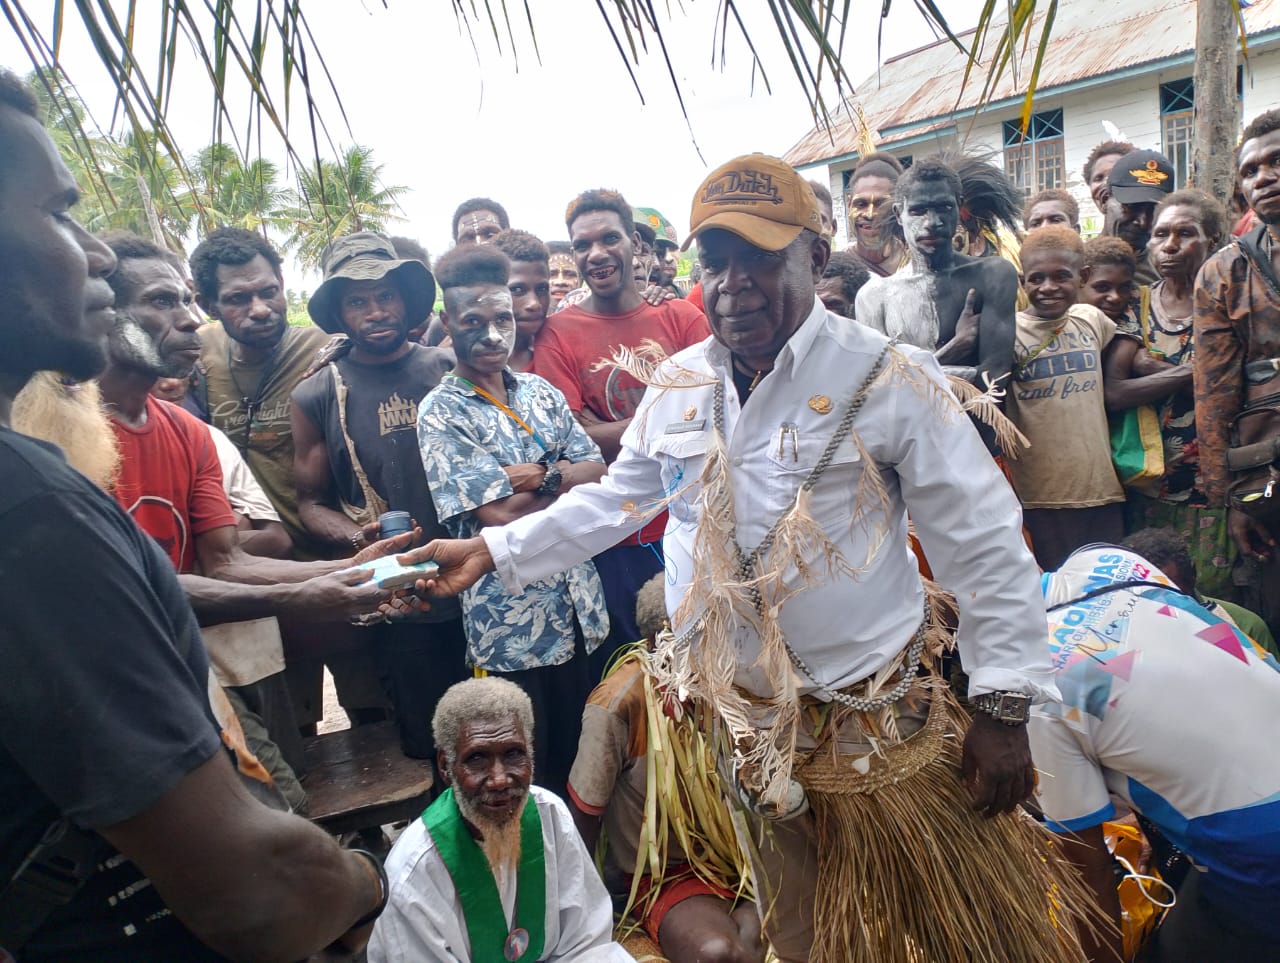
(1106, 148)
(229, 245)
(1064, 198)
(407, 249)
(877, 164)
(471, 264)
(599, 199)
(490, 699)
(474, 204)
(1106, 249)
(559, 247)
(651, 606)
(521, 246)
(933, 168)
(14, 93)
(1164, 548)
(849, 269)
(130, 247)
(1213, 216)
(1052, 238)
(1261, 125)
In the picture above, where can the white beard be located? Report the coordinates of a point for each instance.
(500, 841)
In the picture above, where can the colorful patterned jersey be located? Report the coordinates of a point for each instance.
(1170, 710)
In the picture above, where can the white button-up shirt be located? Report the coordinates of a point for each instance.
(933, 465)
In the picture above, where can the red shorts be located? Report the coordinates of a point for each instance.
(680, 886)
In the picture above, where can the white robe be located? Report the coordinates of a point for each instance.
(423, 919)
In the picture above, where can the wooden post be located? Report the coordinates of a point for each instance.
(1217, 110)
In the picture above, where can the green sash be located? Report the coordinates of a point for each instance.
(472, 876)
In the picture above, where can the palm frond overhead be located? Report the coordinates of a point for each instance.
(267, 47)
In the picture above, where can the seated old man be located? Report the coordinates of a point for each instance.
(494, 869)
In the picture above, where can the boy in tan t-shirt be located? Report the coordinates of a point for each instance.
(1065, 480)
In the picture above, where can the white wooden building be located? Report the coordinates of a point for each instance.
(1129, 64)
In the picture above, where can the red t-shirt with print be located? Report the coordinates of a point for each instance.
(574, 341)
(171, 480)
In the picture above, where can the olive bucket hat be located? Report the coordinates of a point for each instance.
(367, 256)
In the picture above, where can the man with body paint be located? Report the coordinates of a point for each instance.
(924, 302)
(497, 445)
(479, 220)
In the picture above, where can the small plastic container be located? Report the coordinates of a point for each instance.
(391, 524)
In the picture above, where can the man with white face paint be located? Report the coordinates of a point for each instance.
(497, 445)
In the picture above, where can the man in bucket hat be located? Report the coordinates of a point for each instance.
(356, 452)
(789, 448)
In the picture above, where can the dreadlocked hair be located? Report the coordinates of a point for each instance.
(987, 195)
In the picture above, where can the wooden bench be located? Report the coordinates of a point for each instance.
(358, 778)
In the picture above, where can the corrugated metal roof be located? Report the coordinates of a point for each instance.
(920, 89)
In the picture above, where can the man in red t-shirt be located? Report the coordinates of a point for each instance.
(170, 478)
(568, 352)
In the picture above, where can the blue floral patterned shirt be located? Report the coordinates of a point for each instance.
(465, 442)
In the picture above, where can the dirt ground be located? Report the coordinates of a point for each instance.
(334, 718)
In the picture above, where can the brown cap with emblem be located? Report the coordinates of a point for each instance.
(757, 197)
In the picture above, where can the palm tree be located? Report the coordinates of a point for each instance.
(151, 192)
(336, 198)
(231, 193)
(244, 36)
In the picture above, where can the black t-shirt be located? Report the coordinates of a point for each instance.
(382, 417)
(103, 696)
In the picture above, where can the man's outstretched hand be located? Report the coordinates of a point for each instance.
(462, 561)
(997, 765)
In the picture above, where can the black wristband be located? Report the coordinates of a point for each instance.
(382, 881)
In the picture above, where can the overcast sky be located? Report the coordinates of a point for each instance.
(450, 122)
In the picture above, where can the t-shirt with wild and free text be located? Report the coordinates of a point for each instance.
(1055, 398)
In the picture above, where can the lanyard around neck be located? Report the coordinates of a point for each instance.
(505, 409)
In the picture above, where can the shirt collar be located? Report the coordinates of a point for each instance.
(793, 352)
(464, 387)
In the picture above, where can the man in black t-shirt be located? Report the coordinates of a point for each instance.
(105, 728)
(356, 452)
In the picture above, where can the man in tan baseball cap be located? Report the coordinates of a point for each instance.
(794, 598)
(757, 213)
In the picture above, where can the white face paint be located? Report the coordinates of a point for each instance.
(484, 331)
(131, 347)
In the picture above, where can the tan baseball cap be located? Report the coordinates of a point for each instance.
(760, 198)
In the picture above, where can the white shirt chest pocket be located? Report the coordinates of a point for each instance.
(796, 450)
(681, 455)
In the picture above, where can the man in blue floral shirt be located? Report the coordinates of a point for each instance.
(496, 445)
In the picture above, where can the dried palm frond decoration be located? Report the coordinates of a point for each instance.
(688, 819)
(908, 871)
